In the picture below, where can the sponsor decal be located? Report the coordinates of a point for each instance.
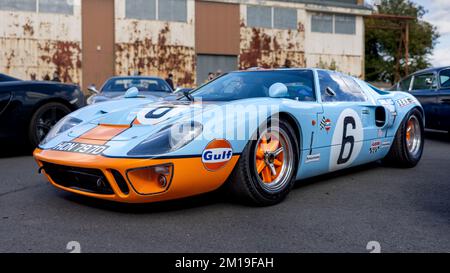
(385, 144)
(217, 154)
(375, 146)
(312, 158)
(404, 102)
(83, 148)
(325, 124)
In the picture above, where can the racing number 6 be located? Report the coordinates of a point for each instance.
(347, 139)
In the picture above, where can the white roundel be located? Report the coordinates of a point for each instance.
(347, 140)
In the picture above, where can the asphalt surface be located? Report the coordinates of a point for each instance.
(405, 210)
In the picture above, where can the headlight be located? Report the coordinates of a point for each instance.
(63, 125)
(169, 139)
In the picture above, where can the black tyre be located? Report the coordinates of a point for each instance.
(265, 172)
(407, 148)
(43, 119)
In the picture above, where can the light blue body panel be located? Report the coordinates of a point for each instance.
(332, 135)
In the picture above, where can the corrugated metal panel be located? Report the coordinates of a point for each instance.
(213, 63)
(140, 9)
(259, 16)
(172, 10)
(217, 28)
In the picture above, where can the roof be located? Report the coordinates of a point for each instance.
(431, 69)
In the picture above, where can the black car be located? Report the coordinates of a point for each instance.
(150, 87)
(432, 88)
(28, 109)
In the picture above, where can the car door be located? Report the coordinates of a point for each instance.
(342, 126)
(424, 88)
(443, 108)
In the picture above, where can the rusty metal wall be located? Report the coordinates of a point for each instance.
(156, 48)
(272, 48)
(39, 44)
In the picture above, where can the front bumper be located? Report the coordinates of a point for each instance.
(189, 176)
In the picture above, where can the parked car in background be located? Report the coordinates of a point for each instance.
(149, 87)
(29, 109)
(432, 88)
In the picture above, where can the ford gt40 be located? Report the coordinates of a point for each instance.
(253, 132)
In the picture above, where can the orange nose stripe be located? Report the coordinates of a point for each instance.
(101, 134)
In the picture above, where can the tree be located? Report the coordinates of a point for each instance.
(383, 43)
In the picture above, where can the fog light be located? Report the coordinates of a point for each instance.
(151, 180)
(162, 180)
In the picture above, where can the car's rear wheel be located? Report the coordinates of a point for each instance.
(407, 149)
(43, 119)
(265, 172)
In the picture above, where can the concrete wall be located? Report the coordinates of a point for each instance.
(154, 47)
(40, 44)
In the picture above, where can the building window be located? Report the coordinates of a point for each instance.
(345, 24)
(322, 22)
(333, 23)
(19, 5)
(140, 9)
(172, 10)
(268, 17)
(164, 10)
(259, 16)
(284, 18)
(56, 6)
(45, 6)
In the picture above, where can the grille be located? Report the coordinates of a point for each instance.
(84, 179)
(120, 181)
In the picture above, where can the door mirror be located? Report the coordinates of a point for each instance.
(132, 92)
(92, 89)
(278, 90)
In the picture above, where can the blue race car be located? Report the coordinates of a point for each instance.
(255, 132)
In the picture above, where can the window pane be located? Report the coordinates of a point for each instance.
(425, 81)
(259, 16)
(404, 85)
(22, 5)
(140, 9)
(444, 78)
(342, 87)
(345, 24)
(56, 6)
(322, 23)
(285, 18)
(172, 10)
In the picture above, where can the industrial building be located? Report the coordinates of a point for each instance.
(87, 41)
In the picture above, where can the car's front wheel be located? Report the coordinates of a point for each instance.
(43, 119)
(266, 170)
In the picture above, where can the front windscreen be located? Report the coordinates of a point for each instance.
(143, 84)
(254, 84)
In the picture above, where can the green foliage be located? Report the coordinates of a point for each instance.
(382, 44)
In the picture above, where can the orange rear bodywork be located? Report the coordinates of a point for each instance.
(189, 176)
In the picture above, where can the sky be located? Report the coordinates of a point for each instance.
(439, 15)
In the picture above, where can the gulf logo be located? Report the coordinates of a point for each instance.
(216, 154)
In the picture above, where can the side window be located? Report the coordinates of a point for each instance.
(404, 85)
(424, 82)
(444, 78)
(340, 88)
